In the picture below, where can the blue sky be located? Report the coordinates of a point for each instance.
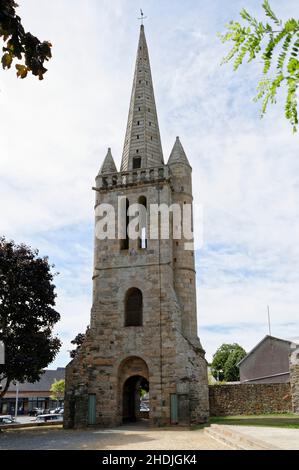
(54, 135)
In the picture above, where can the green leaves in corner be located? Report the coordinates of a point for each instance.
(277, 44)
(21, 45)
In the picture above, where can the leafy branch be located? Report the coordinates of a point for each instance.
(264, 40)
(21, 45)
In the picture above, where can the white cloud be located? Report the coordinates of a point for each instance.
(54, 136)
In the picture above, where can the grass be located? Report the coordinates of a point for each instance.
(284, 420)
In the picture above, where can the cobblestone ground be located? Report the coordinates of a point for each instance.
(122, 438)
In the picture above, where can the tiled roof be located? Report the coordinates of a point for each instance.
(44, 384)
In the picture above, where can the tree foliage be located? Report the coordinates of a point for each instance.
(27, 316)
(225, 360)
(277, 45)
(57, 389)
(78, 341)
(21, 45)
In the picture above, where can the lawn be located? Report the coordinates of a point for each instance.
(287, 420)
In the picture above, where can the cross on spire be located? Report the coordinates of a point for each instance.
(142, 16)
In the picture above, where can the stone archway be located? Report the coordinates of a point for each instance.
(133, 375)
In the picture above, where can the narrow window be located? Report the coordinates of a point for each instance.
(142, 241)
(124, 243)
(133, 307)
(136, 163)
(137, 136)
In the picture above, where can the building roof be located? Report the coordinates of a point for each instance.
(44, 384)
(267, 337)
(142, 136)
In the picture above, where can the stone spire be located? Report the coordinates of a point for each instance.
(142, 147)
(108, 165)
(178, 154)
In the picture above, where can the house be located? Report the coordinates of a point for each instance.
(267, 362)
(32, 395)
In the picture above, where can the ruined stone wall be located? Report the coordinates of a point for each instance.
(246, 399)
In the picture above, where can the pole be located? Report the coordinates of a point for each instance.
(269, 323)
(17, 400)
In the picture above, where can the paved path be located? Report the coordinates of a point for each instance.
(122, 438)
(287, 439)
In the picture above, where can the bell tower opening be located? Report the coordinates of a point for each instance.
(142, 240)
(124, 243)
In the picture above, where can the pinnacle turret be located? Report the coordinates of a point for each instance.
(108, 165)
(178, 154)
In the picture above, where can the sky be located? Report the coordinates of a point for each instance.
(54, 135)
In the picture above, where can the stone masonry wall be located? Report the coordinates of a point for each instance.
(241, 399)
(294, 377)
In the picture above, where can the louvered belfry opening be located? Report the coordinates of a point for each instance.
(133, 307)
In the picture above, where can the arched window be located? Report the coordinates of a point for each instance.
(142, 241)
(133, 307)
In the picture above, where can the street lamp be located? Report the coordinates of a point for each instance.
(219, 371)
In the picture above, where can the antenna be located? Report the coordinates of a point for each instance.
(269, 322)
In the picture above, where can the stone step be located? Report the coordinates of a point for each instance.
(235, 439)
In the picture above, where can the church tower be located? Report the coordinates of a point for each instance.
(143, 330)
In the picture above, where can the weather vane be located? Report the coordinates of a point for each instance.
(142, 16)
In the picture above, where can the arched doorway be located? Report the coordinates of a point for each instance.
(135, 389)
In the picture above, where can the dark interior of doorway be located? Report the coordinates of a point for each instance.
(132, 411)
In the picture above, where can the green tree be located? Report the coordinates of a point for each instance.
(224, 362)
(231, 370)
(277, 45)
(78, 341)
(57, 390)
(21, 45)
(27, 316)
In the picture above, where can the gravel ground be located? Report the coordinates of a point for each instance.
(122, 438)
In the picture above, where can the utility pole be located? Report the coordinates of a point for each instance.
(269, 322)
(17, 400)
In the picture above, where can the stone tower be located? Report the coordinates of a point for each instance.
(143, 329)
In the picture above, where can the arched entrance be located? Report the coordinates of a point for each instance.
(133, 390)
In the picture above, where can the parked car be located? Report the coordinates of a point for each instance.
(58, 410)
(144, 407)
(57, 418)
(7, 419)
(36, 412)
